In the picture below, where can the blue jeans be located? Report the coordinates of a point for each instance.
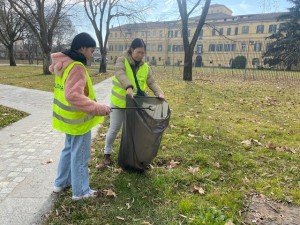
(116, 121)
(73, 164)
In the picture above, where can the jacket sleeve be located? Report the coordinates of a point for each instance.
(121, 73)
(76, 92)
(151, 83)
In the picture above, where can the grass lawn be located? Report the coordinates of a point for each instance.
(9, 116)
(227, 139)
(32, 76)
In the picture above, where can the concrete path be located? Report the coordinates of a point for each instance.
(25, 182)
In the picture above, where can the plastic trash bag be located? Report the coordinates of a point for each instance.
(142, 131)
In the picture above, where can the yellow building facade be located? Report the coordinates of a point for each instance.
(222, 38)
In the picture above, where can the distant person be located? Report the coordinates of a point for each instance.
(75, 112)
(131, 78)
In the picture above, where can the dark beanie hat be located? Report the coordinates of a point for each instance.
(83, 40)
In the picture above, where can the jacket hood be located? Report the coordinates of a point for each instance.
(60, 61)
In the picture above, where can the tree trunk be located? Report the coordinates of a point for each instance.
(12, 60)
(46, 63)
(188, 67)
(102, 68)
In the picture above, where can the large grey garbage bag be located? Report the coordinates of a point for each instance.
(142, 131)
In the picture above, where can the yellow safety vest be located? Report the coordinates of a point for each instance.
(66, 118)
(118, 93)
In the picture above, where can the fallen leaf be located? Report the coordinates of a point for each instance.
(147, 223)
(251, 142)
(216, 164)
(270, 145)
(198, 190)
(229, 222)
(193, 136)
(47, 161)
(128, 205)
(110, 193)
(120, 218)
(172, 164)
(207, 137)
(193, 170)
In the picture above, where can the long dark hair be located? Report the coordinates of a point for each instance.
(137, 43)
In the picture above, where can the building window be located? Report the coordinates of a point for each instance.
(233, 47)
(148, 47)
(227, 47)
(245, 29)
(154, 33)
(257, 47)
(170, 34)
(213, 32)
(176, 33)
(116, 47)
(236, 31)
(243, 46)
(272, 28)
(260, 29)
(199, 49)
(221, 31)
(159, 48)
(116, 35)
(255, 62)
(212, 48)
(200, 34)
(160, 33)
(219, 48)
(121, 48)
(169, 48)
(153, 47)
(159, 58)
(228, 31)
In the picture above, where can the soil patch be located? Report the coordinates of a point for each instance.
(264, 211)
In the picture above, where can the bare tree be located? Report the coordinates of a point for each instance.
(189, 46)
(31, 45)
(42, 19)
(63, 34)
(11, 29)
(101, 13)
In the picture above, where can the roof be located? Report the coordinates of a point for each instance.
(210, 18)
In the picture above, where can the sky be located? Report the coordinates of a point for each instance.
(238, 7)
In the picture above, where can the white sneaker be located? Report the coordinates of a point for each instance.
(91, 194)
(57, 189)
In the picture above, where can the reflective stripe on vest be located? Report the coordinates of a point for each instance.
(67, 118)
(118, 93)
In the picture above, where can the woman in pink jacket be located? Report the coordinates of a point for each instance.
(75, 112)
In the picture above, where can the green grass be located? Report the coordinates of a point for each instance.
(32, 77)
(210, 118)
(208, 123)
(9, 116)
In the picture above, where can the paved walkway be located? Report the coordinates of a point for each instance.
(25, 183)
